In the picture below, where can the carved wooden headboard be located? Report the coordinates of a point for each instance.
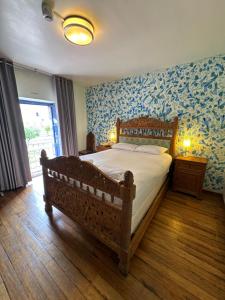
(146, 130)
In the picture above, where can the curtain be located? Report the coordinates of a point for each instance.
(14, 163)
(67, 119)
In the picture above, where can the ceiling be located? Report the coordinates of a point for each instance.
(131, 36)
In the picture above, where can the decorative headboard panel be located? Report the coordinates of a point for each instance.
(148, 131)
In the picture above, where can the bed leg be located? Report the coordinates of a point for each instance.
(124, 263)
(48, 207)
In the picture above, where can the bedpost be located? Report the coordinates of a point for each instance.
(173, 142)
(44, 158)
(117, 130)
(128, 194)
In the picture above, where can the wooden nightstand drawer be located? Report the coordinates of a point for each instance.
(187, 183)
(189, 174)
(189, 167)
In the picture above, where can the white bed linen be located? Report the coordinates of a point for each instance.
(149, 174)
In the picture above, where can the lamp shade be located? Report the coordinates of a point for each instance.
(186, 143)
(112, 136)
(78, 30)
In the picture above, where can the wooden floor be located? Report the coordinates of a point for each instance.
(182, 255)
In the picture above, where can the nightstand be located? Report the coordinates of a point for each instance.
(90, 145)
(103, 147)
(189, 174)
(85, 152)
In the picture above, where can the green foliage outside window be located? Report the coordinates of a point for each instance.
(47, 129)
(31, 133)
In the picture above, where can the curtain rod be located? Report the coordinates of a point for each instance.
(6, 61)
(22, 67)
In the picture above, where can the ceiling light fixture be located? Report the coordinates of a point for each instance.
(78, 30)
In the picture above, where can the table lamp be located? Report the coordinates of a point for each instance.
(186, 145)
(112, 137)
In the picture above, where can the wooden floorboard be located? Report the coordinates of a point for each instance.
(182, 255)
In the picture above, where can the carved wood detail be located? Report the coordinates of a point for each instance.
(164, 129)
(84, 171)
(146, 122)
(91, 145)
(71, 185)
(86, 209)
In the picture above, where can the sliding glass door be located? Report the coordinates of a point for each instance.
(41, 131)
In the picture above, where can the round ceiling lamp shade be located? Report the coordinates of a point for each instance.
(78, 30)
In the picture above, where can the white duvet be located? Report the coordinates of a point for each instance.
(149, 174)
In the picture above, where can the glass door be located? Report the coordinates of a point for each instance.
(41, 131)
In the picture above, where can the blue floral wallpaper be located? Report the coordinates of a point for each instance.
(195, 92)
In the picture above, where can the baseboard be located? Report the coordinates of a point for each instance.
(213, 192)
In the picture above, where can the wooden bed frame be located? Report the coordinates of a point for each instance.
(80, 190)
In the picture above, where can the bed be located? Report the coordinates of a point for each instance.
(114, 194)
(149, 173)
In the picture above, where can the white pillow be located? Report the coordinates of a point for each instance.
(152, 149)
(124, 146)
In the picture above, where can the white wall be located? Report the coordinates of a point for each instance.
(34, 85)
(81, 114)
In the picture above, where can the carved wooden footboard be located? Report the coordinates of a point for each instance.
(98, 203)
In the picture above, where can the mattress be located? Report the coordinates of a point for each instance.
(149, 174)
